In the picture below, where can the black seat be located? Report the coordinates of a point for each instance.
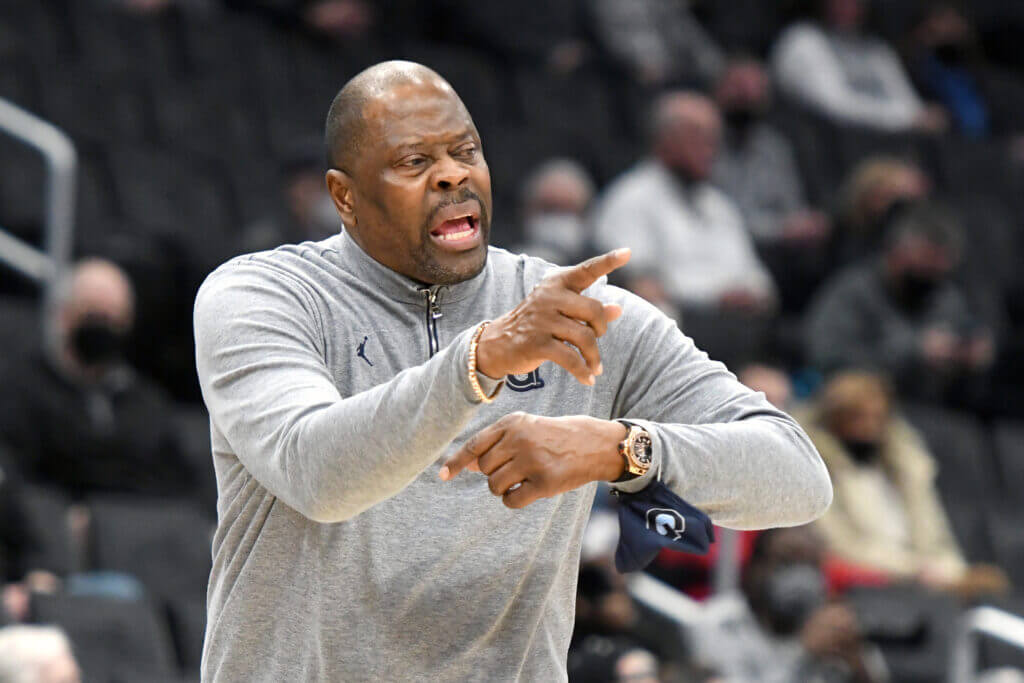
(47, 515)
(175, 195)
(113, 640)
(913, 627)
(105, 109)
(163, 543)
(188, 627)
(966, 476)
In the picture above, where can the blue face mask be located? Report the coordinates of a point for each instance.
(655, 518)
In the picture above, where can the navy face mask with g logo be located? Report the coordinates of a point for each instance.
(656, 518)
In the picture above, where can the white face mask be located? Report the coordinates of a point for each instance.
(565, 232)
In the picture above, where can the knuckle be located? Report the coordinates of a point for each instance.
(493, 486)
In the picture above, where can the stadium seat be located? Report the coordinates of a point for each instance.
(47, 516)
(163, 543)
(966, 475)
(113, 640)
(193, 428)
(912, 626)
(188, 626)
(185, 198)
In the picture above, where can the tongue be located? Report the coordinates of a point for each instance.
(453, 226)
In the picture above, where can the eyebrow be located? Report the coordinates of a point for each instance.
(414, 142)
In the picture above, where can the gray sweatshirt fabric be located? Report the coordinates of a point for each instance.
(341, 556)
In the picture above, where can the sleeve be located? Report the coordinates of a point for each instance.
(807, 68)
(259, 353)
(720, 446)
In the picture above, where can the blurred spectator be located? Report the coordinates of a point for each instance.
(555, 203)
(308, 214)
(658, 42)
(36, 654)
(756, 165)
(947, 64)
(757, 168)
(75, 414)
(784, 628)
(833, 67)
(902, 314)
(886, 514)
(606, 660)
(690, 247)
(874, 191)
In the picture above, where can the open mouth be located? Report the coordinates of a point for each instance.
(458, 232)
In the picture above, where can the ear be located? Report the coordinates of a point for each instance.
(340, 187)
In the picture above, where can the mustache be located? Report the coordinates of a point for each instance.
(463, 195)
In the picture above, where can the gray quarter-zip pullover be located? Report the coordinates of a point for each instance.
(336, 390)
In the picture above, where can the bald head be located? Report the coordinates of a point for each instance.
(685, 133)
(347, 122)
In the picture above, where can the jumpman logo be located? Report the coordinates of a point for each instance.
(361, 352)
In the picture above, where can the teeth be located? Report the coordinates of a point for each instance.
(462, 234)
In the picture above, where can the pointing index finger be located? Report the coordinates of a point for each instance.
(477, 445)
(579, 277)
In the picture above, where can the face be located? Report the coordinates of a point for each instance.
(917, 256)
(744, 86)
(844, 15)
(418, 199)
(864, 422)
(689, 139)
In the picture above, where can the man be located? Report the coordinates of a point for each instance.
(349, 546)
(76, 415)
(756, 165)
(782, 627)
(656, 43)
(556, 226)
(833, 67)
(902, 314)
(690, 247)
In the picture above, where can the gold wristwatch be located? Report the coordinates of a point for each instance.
(638, 451)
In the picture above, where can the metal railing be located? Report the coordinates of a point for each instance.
(981, 621)
(43, 265)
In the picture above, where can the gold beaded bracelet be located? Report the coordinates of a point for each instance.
(473, 381)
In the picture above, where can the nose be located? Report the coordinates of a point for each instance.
(449, 174)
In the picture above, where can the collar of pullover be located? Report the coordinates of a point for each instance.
(397, 286)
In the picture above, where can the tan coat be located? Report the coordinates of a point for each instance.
(859, 525)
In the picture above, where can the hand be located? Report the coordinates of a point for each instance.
(534, 331)
(939, 346)
(832, 631)
(546, 456)
(932, 119)
(805, 226)
(979, 351)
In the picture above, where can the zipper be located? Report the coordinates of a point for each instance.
(433, 313)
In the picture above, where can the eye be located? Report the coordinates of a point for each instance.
(466, 152)
(414, 161)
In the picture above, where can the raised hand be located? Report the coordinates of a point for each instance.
(553, 313)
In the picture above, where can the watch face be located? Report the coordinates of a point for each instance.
(643, 449)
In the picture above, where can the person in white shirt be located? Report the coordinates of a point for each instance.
(852, 78)
(690, 246)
